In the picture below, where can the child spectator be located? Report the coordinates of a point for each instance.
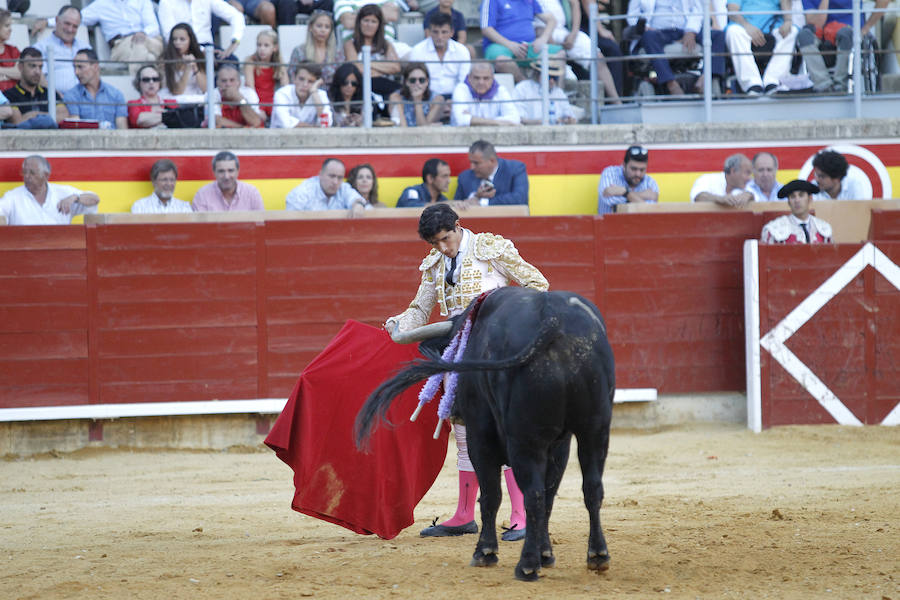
(184, 63)
(9, 54)
(264, 71)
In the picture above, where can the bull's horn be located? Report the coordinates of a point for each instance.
(422, 333)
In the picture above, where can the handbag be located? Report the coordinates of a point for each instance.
(183, 117)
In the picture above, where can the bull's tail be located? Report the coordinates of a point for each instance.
(376, 406)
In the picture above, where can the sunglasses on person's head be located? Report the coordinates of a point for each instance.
(417, 79)
(150, 79)
(352, 82)
(638, 153)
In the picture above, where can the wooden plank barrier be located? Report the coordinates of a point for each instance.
(823, 338)
(178, 312)
(885, 226)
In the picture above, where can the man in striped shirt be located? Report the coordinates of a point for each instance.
(627, 182)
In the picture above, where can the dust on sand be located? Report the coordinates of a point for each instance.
(794, 512)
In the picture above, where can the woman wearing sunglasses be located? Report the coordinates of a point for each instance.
(414, 105)
(147, 110)
(346, 97)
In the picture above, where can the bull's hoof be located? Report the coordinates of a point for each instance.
(513, 535)
(598, 562)
(523, 574)
(449, 530)
(480, 559)
(548, 560)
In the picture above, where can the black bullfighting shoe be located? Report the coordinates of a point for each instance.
(513, 534)
(448, 530)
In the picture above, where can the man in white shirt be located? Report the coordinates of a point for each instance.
(164, 176)
(764, 186)
(130, 28)
(726, 188)
(480, 100)
(839, 180)
(39, 202)
(64, 47)
(527, 95)
(303, 103)
(448, 61)
(198, 14)
(326, 191)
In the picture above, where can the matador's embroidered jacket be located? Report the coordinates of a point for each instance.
(488, 261)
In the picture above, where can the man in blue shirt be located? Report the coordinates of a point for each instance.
(832, 30)
(435, 183)
(627, 182)
(93, 99)
(509, 37)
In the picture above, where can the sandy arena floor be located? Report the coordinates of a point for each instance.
(800, 512)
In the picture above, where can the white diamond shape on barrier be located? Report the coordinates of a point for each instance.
(774, 340)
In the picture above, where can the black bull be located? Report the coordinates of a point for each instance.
(538, 368)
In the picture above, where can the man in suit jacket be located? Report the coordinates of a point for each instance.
(491, 181)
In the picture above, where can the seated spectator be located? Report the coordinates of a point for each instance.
(764, 186)
(362, 178)
(839, 180)
(435, 183)
(728, 187)
(447, 61)
(663, 28)
(130, 28)
(347, 100)
(264, 72)
(346, 12)
(93, 99)
(184, 63)
(577, 45)
(319, 48)
(9, 54)
(752, 38)
(509, 34)
(626, 183)
(261, 11)
(527, 95)
(303, 104)
(65, 46)
(369, 31)
(491, 180)
(480, 100)
(606, 43)
(799, 227)
(457, 22)
(286, 11)
(199, 14)
(39, 202)
(326, 191)
(226, 193)
(414, 105)
(830, 32)
(29, 99)
(164, 176)
(147, 111)
(235, 105)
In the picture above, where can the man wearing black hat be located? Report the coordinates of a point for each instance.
(799, 227)
(627, 182)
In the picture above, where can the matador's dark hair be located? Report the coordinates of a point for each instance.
(435, 219)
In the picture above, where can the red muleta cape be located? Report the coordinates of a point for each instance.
(333, 481)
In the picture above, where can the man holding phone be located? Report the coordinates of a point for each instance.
(491, 181)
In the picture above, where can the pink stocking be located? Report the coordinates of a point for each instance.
(468, 494)
(516, 499)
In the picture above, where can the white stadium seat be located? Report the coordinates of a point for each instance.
(123, 83)
(19, 36)
(289, 37)
(46, 8)
(410, 33)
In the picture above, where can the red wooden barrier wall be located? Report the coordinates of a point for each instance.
(200, 311)
(885, 225)
(852, 344)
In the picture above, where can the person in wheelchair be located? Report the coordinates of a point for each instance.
(761, 45)
(832, 35)
(653, 24)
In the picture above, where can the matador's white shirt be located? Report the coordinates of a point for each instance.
(485, 262)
